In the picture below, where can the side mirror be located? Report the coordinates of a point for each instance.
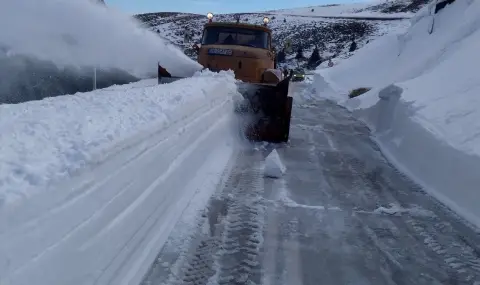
(196, 47)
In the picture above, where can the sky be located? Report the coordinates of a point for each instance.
(214, 6)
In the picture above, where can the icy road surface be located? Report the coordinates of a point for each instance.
(341, 214)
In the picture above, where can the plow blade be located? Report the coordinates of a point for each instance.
(268, 109)
(165, 77)
(166, 80)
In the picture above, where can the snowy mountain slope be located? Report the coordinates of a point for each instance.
(331, 35)
(305, 29)
(66, 39)
(91, 184)
(428, 121)
(380, 9)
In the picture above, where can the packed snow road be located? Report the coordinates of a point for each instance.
(340, 215)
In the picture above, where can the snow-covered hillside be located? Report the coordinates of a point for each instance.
(49, 47)
(380, 9)
(424, 105)
(304, 28)
(332, 36)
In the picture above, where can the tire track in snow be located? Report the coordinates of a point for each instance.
(237, 260)
(229, 254)
(462, 259)
(197, 225)
(271, 244)
(292, 252)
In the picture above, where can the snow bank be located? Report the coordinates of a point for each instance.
(83, 33)
(43, 141)
(148, 151)
(424, 105)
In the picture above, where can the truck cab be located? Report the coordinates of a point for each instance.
(244, 48)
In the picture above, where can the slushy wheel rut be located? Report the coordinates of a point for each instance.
(242, 238)
(200, 267)
(229, 253)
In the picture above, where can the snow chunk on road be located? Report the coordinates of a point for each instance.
(274, 167)
(43, 141)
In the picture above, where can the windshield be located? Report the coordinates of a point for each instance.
(235, 36)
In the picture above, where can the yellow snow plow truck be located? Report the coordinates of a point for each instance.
(247, 50)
